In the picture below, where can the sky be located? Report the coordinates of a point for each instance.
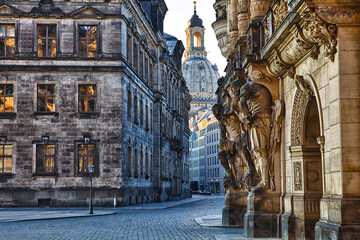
(176, 20)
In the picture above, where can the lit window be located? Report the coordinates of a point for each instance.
(6, 159)
(46, 98)
(86, 156)
(87, 98)
(45, 159)
(87, 41)
(7, 40)
(46, 40)
(6, 98)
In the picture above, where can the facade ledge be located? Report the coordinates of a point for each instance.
(8, 115)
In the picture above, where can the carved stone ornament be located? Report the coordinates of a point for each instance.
(297, 176)
(319, 31)
(280, 12)
(302, 97)
(258, 76)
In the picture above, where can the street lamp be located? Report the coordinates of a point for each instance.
(91, 168)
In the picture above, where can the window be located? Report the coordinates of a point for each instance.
(141, 65)
(136, 163)
(6, 97)
(6, 159)
(46, 40)
(136, 120)
(146, 164)
(147, 117)
(129, 104)
(146, 70)
(128, 167)
(151, 121)
(141, 112)
(87, 41)
(135, 57)
(86, 156)
(129, 49)
(45, 159)
(141, 163)
(87, 98)
(7, 40)
(46, 98)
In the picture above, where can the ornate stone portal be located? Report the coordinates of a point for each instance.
(299, 162)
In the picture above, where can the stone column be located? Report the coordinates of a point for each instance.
(232, 24)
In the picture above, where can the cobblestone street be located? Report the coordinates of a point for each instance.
(172, 223)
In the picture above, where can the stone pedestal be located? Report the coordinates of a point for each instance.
(235, 207)
(326, 231)
(262, 219)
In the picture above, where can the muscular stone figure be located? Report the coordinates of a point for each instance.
(255, 106)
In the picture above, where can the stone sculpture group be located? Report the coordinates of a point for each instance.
(249, 133)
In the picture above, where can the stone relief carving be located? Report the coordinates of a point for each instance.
(297, 176)
(302, 96)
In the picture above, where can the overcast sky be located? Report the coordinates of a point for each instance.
(176, 20)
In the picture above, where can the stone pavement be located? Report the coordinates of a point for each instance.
(239, 237)
(177, 222)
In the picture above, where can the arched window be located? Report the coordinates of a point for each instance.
(197, 39)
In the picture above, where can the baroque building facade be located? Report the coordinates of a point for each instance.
(289, 119)
(91, 82)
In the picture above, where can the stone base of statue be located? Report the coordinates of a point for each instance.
(235, 207)
(263, 218)
(327, 231)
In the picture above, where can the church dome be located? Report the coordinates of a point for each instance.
(201, 78)
(195, 21)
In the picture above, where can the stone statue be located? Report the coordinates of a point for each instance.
(255, 107)
(230, 133)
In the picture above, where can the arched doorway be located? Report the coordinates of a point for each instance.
(306, 161)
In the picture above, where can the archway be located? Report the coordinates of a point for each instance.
(306, 159)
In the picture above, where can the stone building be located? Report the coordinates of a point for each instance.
(214, 170)
(91, 82)
(292, 88)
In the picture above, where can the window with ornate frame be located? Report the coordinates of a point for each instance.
(6, 97)
(46, 97)
(87, 41)
(7, 40)
(46, 40)
(6, 158)
(45, 159)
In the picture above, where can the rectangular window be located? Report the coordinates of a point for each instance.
(141, 163)
(141, 65)
(128, 167)
(6, 97)
(146, 164)
(45, 158)
(87, 41)
(6, 159)
(141, 112)
(129, 49)
(135, 57)
(87, 98)
(146, 70)
(136, 163)
(46, 98)
(147, 117)
(86, 156)
(46, 40)
(7, 40)
(136, 120)
(129, 104)
(151, 119)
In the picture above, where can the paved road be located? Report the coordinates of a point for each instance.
(173, 223)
